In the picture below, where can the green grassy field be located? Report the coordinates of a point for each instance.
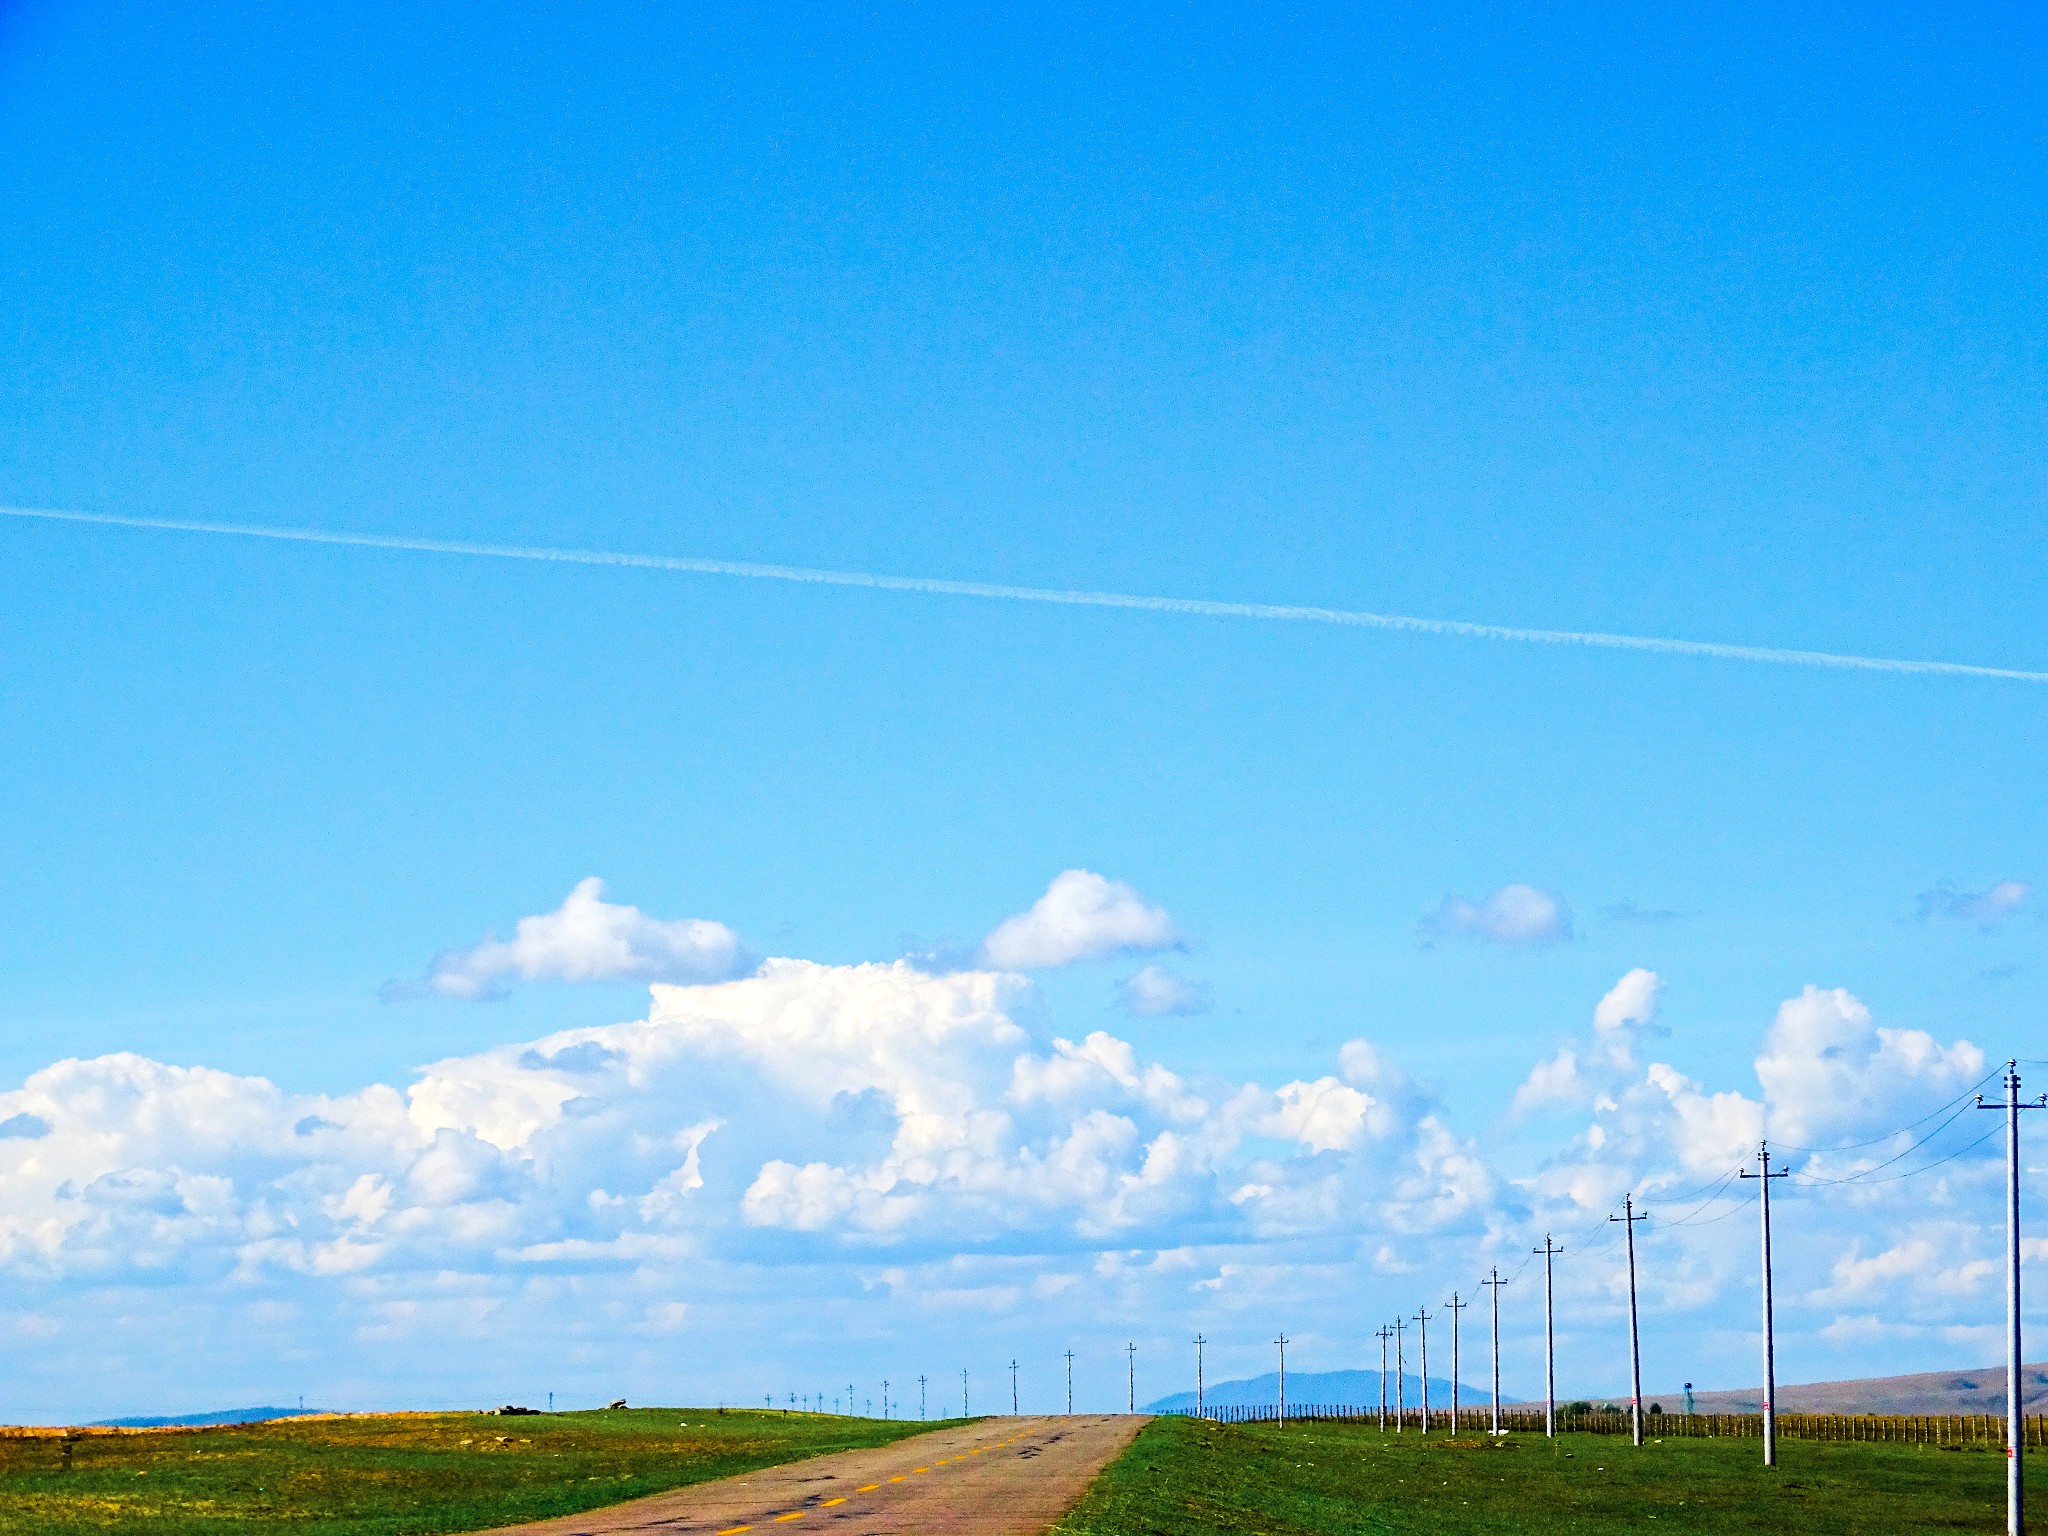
(395, 1474)
(1186, 1478)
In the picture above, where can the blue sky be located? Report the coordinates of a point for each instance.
(1714, 325)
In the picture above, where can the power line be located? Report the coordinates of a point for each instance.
(1855, 1146)
(1861, 1174)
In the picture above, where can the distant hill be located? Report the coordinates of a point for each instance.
(1928, 1392)
(189, 1420)
(1359, 1389)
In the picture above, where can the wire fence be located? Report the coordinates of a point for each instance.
(1962, 1430)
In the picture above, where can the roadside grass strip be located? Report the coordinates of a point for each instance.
(1187, 1477)
(415, 1474)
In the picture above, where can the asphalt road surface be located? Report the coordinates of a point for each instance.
(1001, 1477)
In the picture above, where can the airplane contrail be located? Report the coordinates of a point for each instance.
(1400, 623)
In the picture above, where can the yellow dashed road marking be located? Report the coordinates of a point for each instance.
(830, 1502)
(864, 1488)
(734, 1530)
(897, 1478)
(794, 1514)
(915, 1470)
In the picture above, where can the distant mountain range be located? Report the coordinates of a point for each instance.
(190, 1420)
(1927, 1392)
(1358, 1389)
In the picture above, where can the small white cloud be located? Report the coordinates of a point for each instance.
(1155, 991)
(585, 939)
(1514, 914)
(1324, 1116)
(1081, 916)
(1988, 909)
(1555, 1081)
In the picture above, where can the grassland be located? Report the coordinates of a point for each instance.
(1186, 1478)
(393, 1474)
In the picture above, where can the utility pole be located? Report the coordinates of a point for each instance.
(1199, 1342)
(1494, 1282)
(1400, 1378)
(1131, 1374)
(885, 1397)
(1070, 1381)
(1763, 1178)
(1456, 1307)
(1013, 1386)
(920, 1398)
(1383, 1335)
(2015, 1424)
(1282, 1342)
(849, 1399)
(1550, 1251)
(963, 1393)
(1635, 1349)
(1422, 1317)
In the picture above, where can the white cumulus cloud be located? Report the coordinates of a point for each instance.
(586, 938)
(1829, 1070)
(1081, 916)
(1514, 914)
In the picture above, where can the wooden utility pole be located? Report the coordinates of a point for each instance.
(2015, 1422)
(1282, 1342)
(1764, 1177)
(1400, 1377)
(1422, 1317)
(1383, 1335)
(1456, 1307)
(1628, 1219)
(1494, 1282)
(1550, 1251)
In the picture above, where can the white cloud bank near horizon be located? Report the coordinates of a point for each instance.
(813, 1154)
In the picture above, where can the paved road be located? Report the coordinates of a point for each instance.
(1001, 1477)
